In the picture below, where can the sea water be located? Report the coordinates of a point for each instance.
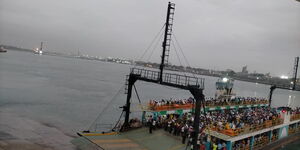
(46, 93)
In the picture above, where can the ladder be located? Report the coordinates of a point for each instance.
(126, 84)
(169, 32)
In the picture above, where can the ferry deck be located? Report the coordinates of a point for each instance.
(140, 139)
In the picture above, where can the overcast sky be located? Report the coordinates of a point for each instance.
(214, 34)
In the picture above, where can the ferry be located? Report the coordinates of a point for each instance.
(39, 51)
(227, 121)
(2, 50)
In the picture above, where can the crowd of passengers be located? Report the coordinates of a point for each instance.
(238, 119)
(208, 101)
(242, 144)
(171, 101)
(295, 111)
(235, 101)
(179, 125)
(182, 125)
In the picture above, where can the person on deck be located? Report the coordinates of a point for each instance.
(183, 134)
(202, 147)
(220, 146)
(214, 146)
(150, 122)
(224, 146)
(154, 124)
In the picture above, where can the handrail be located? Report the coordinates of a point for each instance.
(292, 130)
(274, 138)
(246, 130)
(261, 143)
(243, 147)
(237, 103)
(183, 106)
(295, 117)
(170, 78)
(170, 107)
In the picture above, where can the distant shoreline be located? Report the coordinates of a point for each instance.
(206, 72)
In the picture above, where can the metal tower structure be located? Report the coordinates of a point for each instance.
(193, 84)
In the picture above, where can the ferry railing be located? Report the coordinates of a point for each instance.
(149, 74)
(247, 129)
(190, 106)
(260, 143)
(298, 129)
(169, 78)
(183, 80)
(213, 104)
(274, 138)
(170, 107)
(295, 117)
(292, 130)
(243, 147)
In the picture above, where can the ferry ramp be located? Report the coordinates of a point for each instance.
(138, 139)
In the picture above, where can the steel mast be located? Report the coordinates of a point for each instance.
(167, 38)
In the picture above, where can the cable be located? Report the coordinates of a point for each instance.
(105, 108)
(118, 121)
(161, 35)
(178, 56)
(151, 43)
(137, 94)
(183, 53)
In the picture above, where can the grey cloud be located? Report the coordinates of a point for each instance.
(214, 34)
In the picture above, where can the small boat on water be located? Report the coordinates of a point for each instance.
(2, 50)
(227, 122)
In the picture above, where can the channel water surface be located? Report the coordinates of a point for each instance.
(45, 97)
